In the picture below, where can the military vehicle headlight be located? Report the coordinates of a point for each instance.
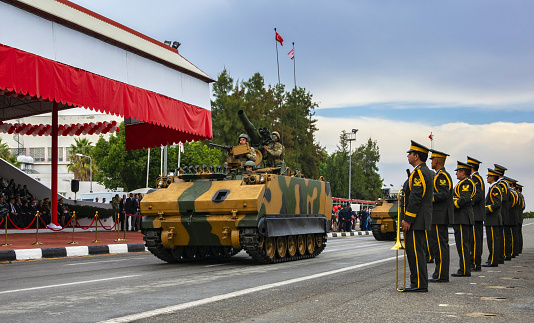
(262, 179)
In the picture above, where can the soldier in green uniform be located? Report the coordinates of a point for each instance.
(520, 224)
(274, 152)
(507, 220)
(115, 206)
(493, 219)
(418, 216)
(479, 214)
(463, 220)
(243, 140)
(249, 166)
(442, 210)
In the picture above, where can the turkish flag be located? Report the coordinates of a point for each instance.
(279, 38)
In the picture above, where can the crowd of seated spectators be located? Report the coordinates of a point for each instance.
(19, 204)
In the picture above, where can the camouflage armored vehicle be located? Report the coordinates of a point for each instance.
(212, 212)
(384, 219)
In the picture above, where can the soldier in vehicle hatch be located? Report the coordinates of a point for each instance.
(274, 152)
(243, 140)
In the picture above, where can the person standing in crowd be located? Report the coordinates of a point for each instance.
(505, 214)
(442, 211)
(115, 206)
(131, 208)
(479, 214)
(344, 217)
(274, 152)
(417, 216)
(463, 220)
(26, 213)
(122, 212)
(363, 219)
(493, 219)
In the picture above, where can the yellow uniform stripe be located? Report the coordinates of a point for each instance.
(462, 241)
(416, 261)
(413, 215)
(440, 256)
(474, 246)
(428, 246)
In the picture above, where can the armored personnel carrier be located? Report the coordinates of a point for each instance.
(384, 218)
(202, 213)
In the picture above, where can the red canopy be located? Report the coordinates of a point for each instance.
(37, 78)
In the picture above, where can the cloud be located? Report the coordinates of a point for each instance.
(503, 143)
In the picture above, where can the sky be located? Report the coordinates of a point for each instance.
(395, 70)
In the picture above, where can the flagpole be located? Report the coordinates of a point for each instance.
(147, 167)
(278, 68)
(277, 63)
(294, 68)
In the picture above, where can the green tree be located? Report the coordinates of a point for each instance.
(366, 183)
(289, 113)
(128, 169)
(79, 165)
(6, 155)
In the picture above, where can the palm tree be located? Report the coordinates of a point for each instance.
(80, 165)
(5, 154)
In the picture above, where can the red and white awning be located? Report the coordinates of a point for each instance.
(74, 129)
(65, 53)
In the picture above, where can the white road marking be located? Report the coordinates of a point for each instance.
(97, 262)
(178, 307)
(65, 284)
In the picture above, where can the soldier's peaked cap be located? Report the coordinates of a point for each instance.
(462, 165)
(518, 185)
(438, 154)
(509, 180)
(471, 160)
(493, 172)
(500, 168)
(418, 147)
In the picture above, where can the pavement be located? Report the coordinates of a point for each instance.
(30, 245)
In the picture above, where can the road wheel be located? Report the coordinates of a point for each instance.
(319, 240)
(292, 245)
(301, 245)
(261, 241)
(310, 242)
(281, 246)
(270, 247)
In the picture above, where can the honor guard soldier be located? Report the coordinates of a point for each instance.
(520, 225)
(505, 214)
(463, 220)
(442, 211)
(493, 220)
(514, 215)
(418, 216)
(479, 213)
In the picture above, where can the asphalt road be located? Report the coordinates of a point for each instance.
(353, 279)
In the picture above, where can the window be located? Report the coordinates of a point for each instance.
(38, 154)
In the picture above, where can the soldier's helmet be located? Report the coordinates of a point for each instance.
(249, 163)
(277, 134)
(244, 135)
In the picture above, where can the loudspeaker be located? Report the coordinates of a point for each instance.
(74, 185)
